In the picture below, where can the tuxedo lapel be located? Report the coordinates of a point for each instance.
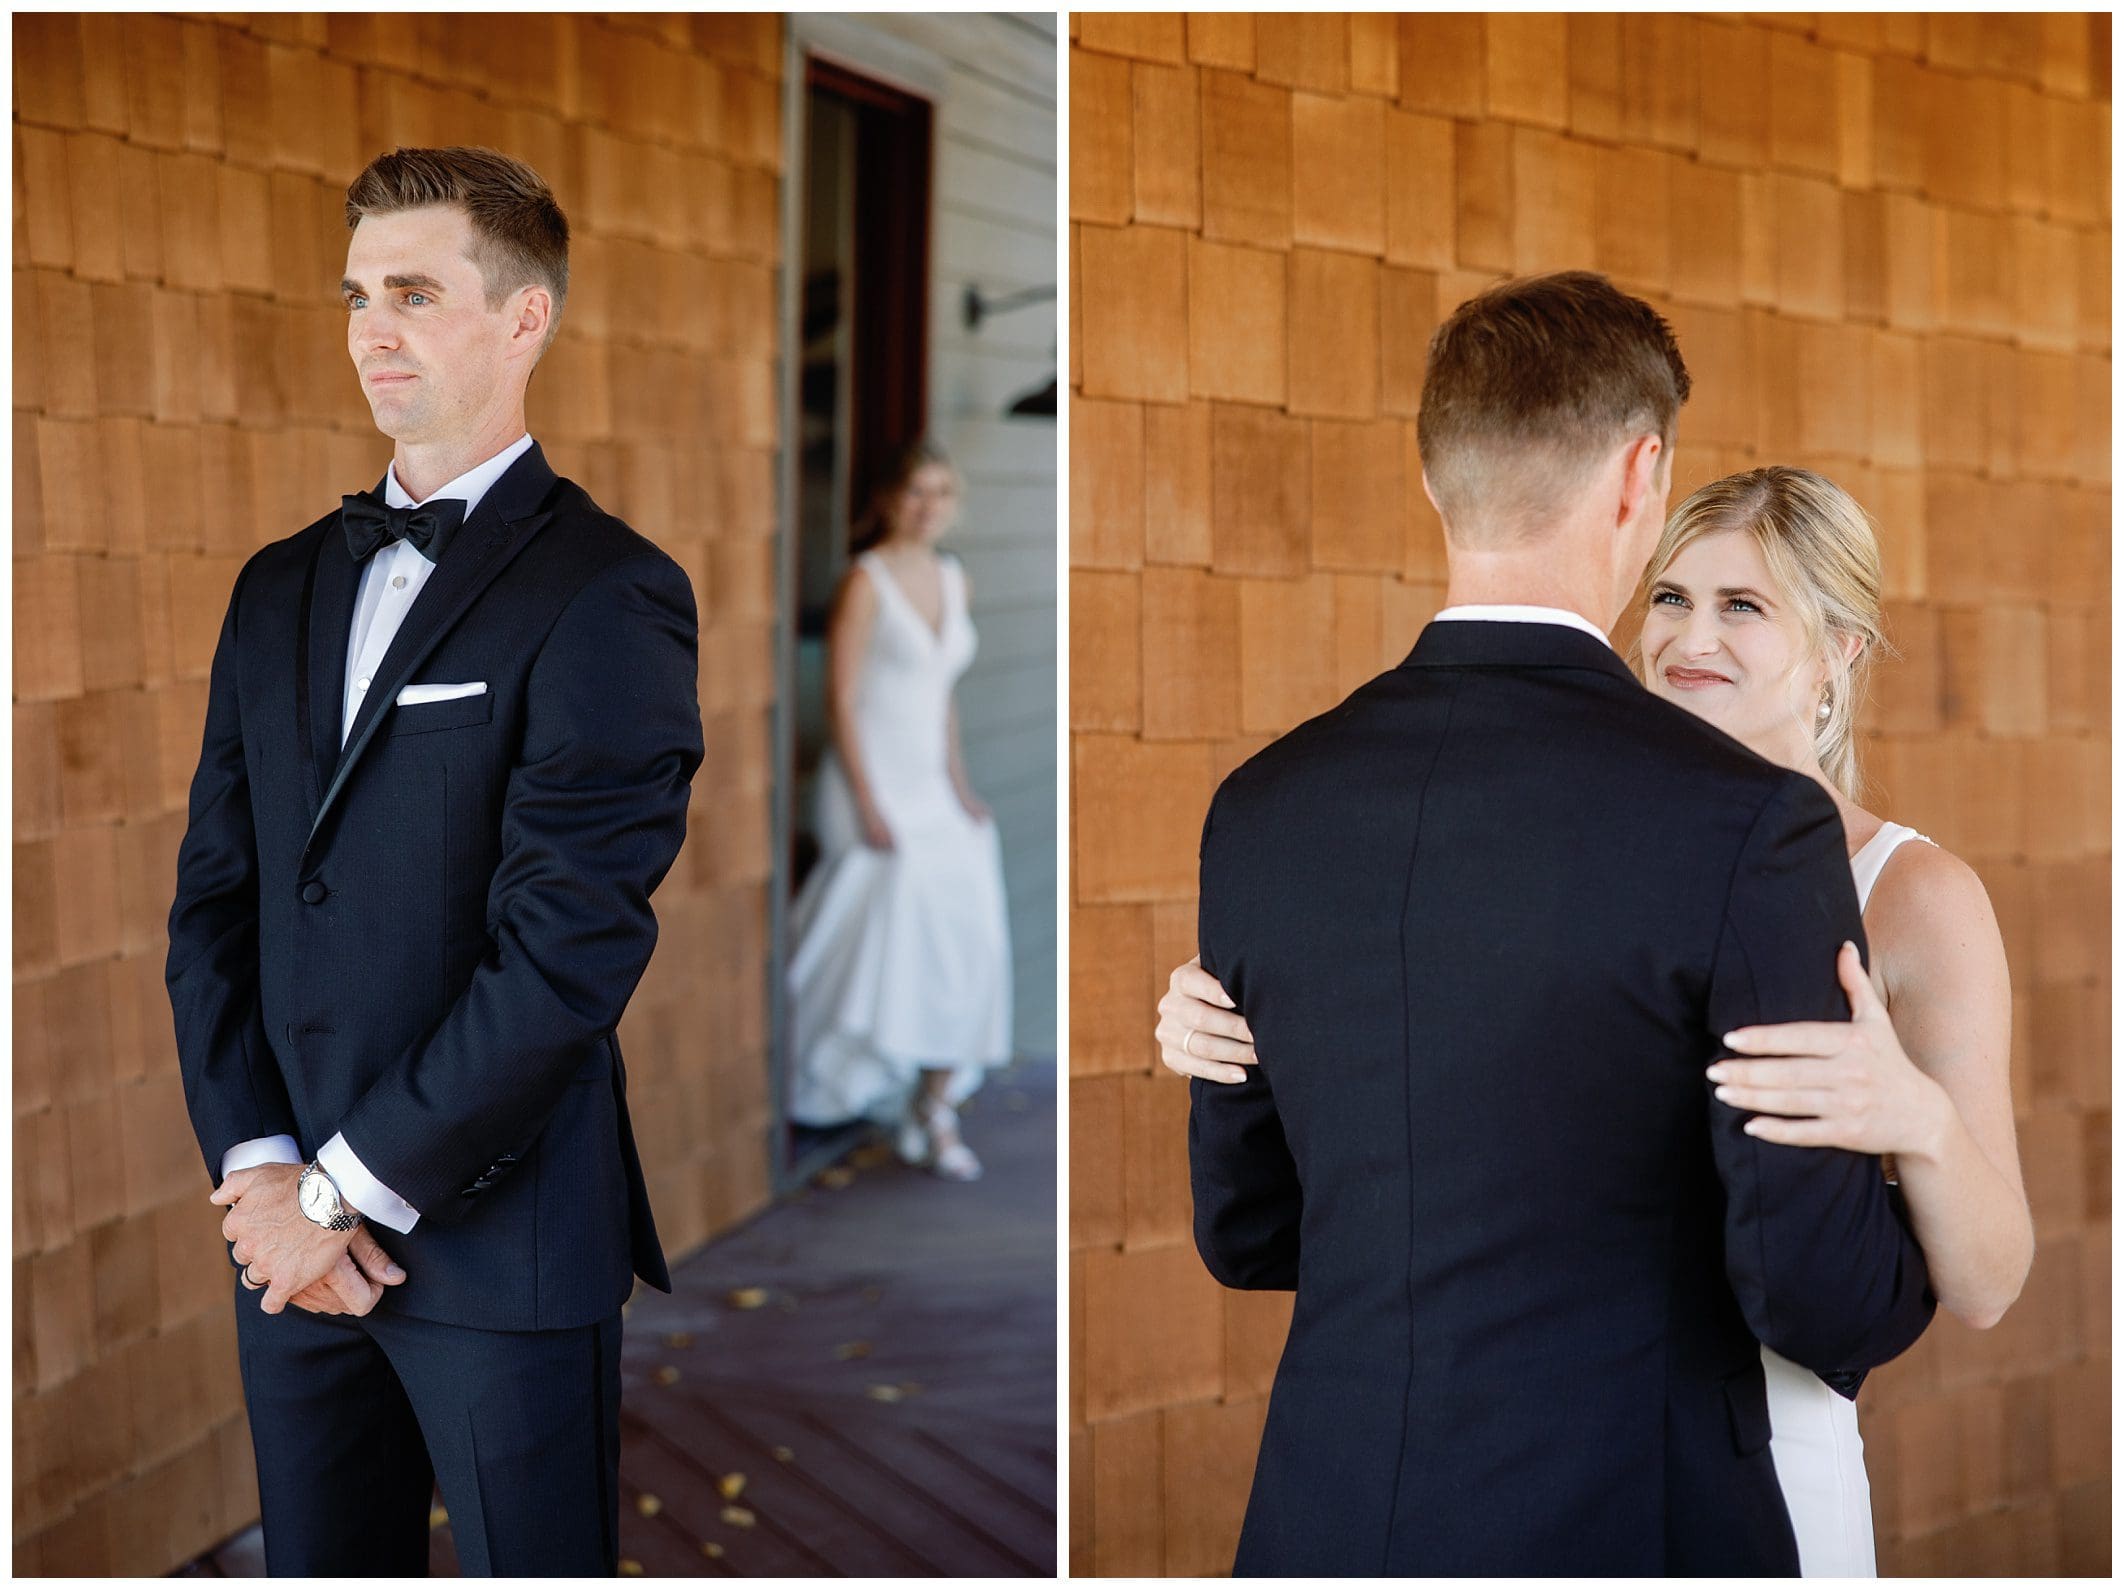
(507, 517)
(321, 660)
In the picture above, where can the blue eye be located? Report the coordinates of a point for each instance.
(411, 296)
(1659, 597)
(1743, 602)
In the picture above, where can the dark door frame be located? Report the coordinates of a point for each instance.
(888, 401)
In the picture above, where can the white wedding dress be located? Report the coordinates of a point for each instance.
(902, 958)
(1814, 1433)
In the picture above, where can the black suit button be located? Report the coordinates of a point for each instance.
(313, 892)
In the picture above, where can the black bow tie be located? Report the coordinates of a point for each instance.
(369, 525)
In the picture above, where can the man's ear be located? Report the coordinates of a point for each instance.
(533, 315)
(1641, 465)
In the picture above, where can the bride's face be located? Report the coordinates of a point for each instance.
(1721, 639)
(925, 505)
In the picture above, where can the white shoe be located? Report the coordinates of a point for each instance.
(953, 1161)
(910, 1141)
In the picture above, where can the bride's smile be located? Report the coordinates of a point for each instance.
(1722, 639)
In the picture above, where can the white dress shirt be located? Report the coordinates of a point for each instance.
(1514, 613)
(393, 578)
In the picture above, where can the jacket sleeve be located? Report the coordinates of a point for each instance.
(1818, 1250)
(592, 819)
(1245, 1182)
(233, 1089)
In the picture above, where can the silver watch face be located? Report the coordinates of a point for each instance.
(318, 1200)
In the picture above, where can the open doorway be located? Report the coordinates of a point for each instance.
(860, 236)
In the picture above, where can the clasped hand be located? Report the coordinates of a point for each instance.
(1834, 1084)
(292, 1258)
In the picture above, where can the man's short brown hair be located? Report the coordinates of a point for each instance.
(520, 236)
(1528, 384)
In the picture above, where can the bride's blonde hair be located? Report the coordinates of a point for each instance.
(1821, 549)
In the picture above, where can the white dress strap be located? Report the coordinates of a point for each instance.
(1873, 856)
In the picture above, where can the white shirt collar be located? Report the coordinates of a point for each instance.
(1512, 613)
(470, 486)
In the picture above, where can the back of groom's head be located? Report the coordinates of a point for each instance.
(519, 234)
(1530, 385)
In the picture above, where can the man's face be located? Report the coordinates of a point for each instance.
(434, 360)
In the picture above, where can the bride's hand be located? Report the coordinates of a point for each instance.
(1199, 1033)
(877, 834)
(1835, 1084)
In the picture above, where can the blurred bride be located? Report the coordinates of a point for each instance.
(900, 980)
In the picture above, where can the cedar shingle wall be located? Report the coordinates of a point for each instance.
(182, 396)
(1883, 241)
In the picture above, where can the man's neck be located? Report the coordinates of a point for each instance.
(423, 467)
(1493, 584)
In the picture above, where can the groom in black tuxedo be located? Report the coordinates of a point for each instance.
(450, 734)
(1488, 920)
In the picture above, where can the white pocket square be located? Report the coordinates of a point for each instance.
(421, 695)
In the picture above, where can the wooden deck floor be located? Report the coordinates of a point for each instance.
(860, 1381)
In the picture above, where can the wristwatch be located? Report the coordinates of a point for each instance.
(320, 1202)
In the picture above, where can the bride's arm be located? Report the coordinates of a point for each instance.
(1929, 1086)
(1952, 1006)
(855, 610)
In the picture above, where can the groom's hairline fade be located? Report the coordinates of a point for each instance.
(1534, 379)
(519, 232)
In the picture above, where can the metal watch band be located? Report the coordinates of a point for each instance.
(342, 1218)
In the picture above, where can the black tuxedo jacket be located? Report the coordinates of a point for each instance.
(1487, 919)
(425, 940)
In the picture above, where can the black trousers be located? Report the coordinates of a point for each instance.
(356, 1420)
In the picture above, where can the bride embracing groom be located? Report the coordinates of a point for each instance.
(1578, 1291)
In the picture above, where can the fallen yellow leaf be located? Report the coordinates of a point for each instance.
(782, 1454)
(648, 1506)
(628, 1566)
(732, 1486)
(739, 1517)
(848, 1350)
(883, 1393)
(437, 1517)
(679, 1339)
(748, 1297)
(710, 1549)
(667, 1376)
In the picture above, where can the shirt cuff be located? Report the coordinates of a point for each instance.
(278, 1149)
(376, 1202)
